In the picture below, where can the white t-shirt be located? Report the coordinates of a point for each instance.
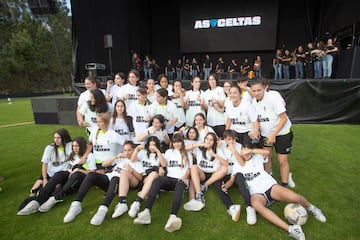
(214, 117)
(88, 165)
(56, 164)
(241, 117)
(139, 113)
(129, 91)
(174, 165)
(119, 164)
(205, 163)
(90, 116)
(180, 112)
(229, 156)
(148, 161)
(257, 179)
(85, 96)
(168, 111)
(268, 111)
(194, 106)
(105, 145)
(114, 92)
(121, 128)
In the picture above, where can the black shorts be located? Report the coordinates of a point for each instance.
(283, 143)
(267, 196)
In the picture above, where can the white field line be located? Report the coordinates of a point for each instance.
(15, 124)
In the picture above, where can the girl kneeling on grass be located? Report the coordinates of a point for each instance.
(264, 190)
(178, 162)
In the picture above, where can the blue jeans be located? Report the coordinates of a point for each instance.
(186, 75)
(318, 69)
(170, 75)
(286, 71)
(299, 70)
(179, 74)
(258, 73)
(327, 65)
(147, 73)
(206, 73)
(278, 71)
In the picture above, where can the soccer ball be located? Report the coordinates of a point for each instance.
(295, 214)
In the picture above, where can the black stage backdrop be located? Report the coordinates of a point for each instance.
(152, 27)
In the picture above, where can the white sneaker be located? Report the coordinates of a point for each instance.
(194, 205)
(317, 213)
(74, 210)
(173, 223)
(250, 215)
(100, 215)
(144, 217)
(134, 209)
(296, 232)
(291, 182)
(234, 212)
(120, 209)
(46, 206)
(30, 208)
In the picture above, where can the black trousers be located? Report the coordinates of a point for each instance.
(167, 184)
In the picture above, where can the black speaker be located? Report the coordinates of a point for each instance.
(108, 41)
(43, 7)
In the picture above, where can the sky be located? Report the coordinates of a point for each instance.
(69, 6)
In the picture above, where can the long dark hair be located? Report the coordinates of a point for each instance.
(178, 137)
(214, 146)
(65, 138)
(115, 114)
(81, 141)
(101, 104)
(147, 144)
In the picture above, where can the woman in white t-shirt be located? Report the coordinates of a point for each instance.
(215, 98)
(264, 190)
(89, 111)
(121, 123)
(157, 129)
(140, 114)
(242, 118)
(154, 163)
(178, 99)
(69, 180)
(128, 91)
(178, 163)
(122, 168)
(194, 101)
(55, 159)
(211, 166)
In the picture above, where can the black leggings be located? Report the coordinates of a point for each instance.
(101, 181)
(71, 185)
(92, 179)
(167, 184)
(59, 178)
(225, 198)
(241, 183)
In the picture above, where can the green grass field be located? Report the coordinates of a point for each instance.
(324, 162)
